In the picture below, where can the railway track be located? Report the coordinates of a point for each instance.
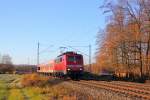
(136, 85)
(131, 91)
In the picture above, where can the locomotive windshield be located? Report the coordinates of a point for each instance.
(71, 58)
(74, 58)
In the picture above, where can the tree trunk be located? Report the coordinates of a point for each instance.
(141, 62)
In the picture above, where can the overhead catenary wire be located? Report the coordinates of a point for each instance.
(39, 52)
(46, 49)
(78, 50)
(48, 58)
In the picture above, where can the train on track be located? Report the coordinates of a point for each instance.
(68, 64)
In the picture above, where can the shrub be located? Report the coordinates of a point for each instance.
(33, 80)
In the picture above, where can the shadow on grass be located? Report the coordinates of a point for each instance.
(55, 81)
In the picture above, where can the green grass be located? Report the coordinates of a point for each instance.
(3, 90)
(34, 93)
(15, 94)
(8, 87)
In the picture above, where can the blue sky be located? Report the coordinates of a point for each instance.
(51, 22)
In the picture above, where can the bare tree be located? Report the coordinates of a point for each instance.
(6, 59)
(126, 43)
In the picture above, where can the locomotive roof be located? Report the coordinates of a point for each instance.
(66, 53)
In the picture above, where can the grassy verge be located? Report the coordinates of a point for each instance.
(33, 87)
(34, 93)
(15, 94)
(8, 90)
(3, 90)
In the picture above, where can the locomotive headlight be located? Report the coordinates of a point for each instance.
(68, 69)
(80, 68)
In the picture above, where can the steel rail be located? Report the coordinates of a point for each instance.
(133, 92)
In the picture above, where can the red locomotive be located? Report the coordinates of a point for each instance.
(67, 64)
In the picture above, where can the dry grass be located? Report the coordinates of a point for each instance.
(69, 98)
(39, 87)
(33, 80)
(15, 94)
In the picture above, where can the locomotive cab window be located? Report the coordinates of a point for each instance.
(74, 58)
(58, 60)
(78, 58)
(71, 58)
